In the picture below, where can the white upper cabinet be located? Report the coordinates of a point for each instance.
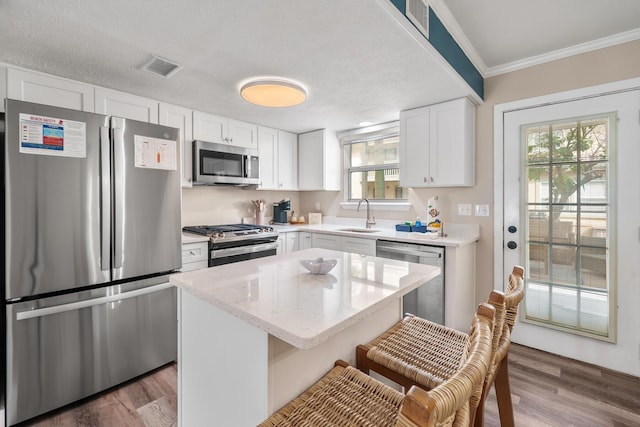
(209, 127)
(222, 130)
(49, 90)
(437, 145)
(278, 159)
(243, 134)
(287, 160)
(181, 118)
(319, 163)
(268, 152)
(120, 104)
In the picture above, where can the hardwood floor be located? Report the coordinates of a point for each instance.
(547, 390)
(149, 401)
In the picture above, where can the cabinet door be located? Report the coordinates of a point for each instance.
(326, 241)
(49, 90)
(451, 152)
(209, 127)
(194, 256)
(287, 161)
(304, 240)
(243, 134)
(181, 118)
(310, 159)
(268, 148)
(414, 148)
(282, 244)
(291, 242)
(120, 104)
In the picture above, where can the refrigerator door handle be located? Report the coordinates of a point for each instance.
(118, 171)
(105, 176)
(46, 311)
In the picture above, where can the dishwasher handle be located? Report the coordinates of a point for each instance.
(406, 251)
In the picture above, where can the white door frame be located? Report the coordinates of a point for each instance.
(499, 110)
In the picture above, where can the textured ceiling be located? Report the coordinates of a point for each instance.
(356, 60)
(358, 63)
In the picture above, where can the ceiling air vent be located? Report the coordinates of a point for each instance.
(161, 66)
(418, 13)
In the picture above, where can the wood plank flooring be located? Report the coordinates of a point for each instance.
(547, 390)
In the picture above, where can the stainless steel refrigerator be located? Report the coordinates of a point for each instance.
(91, 230)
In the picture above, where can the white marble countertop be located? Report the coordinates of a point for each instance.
(193, 238)
(456, 234)
(277, 295)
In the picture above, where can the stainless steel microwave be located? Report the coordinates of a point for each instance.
(224, 164)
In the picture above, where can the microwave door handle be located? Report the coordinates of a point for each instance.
(247, 166)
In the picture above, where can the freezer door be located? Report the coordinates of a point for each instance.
(57, 224)
(147, 198)
(69, 347)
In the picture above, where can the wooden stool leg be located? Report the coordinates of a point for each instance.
(478, 420)
(503, 394)
(361, 358)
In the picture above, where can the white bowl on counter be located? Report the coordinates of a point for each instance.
(319, 265)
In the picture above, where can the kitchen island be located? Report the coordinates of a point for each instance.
(254, 334)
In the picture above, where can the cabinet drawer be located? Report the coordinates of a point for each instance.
(194, 252)
(359, 246)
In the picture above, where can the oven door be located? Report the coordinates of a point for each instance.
(241, 253)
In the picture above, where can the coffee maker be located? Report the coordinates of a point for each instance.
(280, 211)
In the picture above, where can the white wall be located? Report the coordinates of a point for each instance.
(206, 205)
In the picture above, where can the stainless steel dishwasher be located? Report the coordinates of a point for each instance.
(426, 301)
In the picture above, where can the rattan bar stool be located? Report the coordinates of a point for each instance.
(418, 352)
(347, 397)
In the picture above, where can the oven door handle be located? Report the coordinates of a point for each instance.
(248, 249)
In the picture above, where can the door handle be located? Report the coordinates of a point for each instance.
(105, 193)
(46, 311)
(512, 229)
(512, 245)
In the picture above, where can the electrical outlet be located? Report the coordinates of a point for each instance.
(464, 209)
(482, 210)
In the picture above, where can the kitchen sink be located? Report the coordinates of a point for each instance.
(359, 230)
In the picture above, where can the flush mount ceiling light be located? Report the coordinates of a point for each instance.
(273, 93)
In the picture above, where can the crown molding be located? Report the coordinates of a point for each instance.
(602, 43)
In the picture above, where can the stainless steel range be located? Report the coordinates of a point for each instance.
(237, 242)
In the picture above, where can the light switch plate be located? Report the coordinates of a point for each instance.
(482, 210)
(464, 209)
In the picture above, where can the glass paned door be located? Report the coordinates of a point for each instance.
(566, 195)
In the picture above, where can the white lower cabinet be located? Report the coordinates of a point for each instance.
(359, 246)
(304, 240)
(287, 242)
(195, 256)
(344, 243)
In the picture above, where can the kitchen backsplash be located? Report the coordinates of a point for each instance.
(207, 205)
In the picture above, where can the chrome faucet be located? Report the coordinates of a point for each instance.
(370, 221)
